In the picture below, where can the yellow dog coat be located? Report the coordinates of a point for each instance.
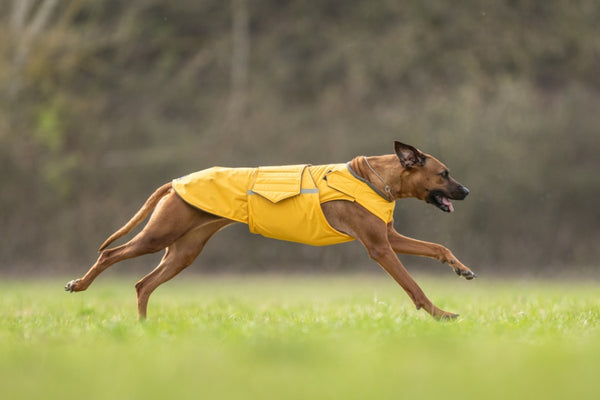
(282, 202)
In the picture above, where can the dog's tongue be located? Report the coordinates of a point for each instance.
(448, 203)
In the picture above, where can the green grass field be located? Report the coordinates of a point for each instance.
(316, 337)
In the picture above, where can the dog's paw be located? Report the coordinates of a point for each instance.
(461, 270)
(447, 317)
(442, 315)
(71, 286)
(465, 273)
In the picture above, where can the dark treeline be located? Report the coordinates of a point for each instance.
(102, 101)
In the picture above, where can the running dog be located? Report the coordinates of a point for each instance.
(315, 205)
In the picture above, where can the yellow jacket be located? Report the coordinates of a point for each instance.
(282, 202)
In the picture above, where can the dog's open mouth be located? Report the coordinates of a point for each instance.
(441, 201)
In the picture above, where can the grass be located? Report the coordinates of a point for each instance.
(317, 337)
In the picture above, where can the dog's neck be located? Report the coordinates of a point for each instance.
(380, 171)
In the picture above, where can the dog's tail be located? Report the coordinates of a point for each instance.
(140, 215)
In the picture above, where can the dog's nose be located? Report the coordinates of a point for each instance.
(465, 191)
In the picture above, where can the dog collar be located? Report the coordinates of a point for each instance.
(387, 196)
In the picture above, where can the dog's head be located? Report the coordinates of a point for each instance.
(428, 179)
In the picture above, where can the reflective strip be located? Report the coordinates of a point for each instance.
(302, 191)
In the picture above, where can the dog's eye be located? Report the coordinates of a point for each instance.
(445, 174)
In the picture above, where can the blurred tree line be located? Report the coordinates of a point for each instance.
(102, 101)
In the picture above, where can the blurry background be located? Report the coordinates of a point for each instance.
(103, 101)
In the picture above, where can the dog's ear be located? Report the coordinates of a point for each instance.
(408, 155)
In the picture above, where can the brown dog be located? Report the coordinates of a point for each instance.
(183, 230)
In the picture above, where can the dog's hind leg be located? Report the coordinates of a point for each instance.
(107, 258)
(178, 256)
(171, 219)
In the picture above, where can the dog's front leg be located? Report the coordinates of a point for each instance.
(383, 254)
(353, 219)
(405, 245)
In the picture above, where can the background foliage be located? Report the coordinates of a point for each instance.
(103, 101)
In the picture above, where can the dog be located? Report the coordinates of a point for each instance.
(353, 201)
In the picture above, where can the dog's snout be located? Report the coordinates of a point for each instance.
(464, 190)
